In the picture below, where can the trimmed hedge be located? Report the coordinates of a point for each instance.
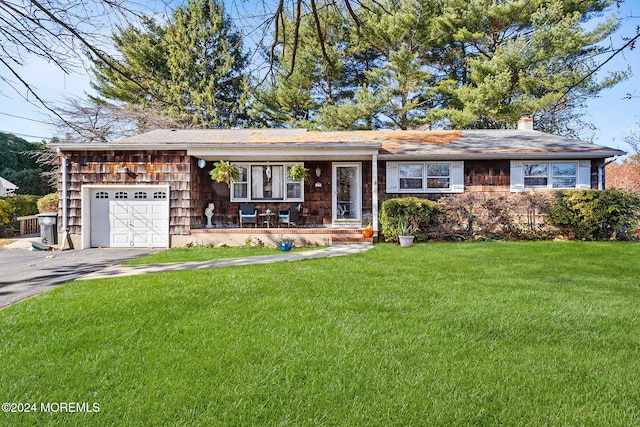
(48, 203)
(417, 212)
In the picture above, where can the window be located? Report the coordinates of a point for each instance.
(530, 175)
(159, 195)
(423, 177)
(122, 195)
(140, 195)
(411, 177)
(536, 175)
(102, 195)
(564, 175)
(258, 182)
(438, 176)
(559, 175)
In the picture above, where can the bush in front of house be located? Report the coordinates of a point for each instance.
(412, 210)
(13, 207)
(48, 203)
(473, 215)
(594, 214)
(480, 216)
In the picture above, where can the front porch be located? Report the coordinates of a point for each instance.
(302, 236)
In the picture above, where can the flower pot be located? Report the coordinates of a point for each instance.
(406, 241)
(285, 246)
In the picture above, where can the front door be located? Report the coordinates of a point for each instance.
(347, 194)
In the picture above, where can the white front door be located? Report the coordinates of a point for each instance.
(347, 194)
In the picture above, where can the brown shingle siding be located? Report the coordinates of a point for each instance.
(151, 167)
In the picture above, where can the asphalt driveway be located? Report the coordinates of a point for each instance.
(24, 273)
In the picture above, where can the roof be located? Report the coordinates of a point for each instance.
(7, 185)
(455, 144)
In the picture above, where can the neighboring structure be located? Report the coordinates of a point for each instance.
(152, 189)
(7, 188)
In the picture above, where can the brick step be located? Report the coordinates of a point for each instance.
(350, 239)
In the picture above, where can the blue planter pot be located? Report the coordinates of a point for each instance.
(285, 246)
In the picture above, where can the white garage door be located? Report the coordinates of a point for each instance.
(129, 217)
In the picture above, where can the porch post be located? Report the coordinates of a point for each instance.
(374, 191)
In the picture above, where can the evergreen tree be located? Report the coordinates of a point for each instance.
(190, 68)
(497, 61)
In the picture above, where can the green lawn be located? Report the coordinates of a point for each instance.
(209, 253)
(513, 334)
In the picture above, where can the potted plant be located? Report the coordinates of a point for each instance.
(298, 172)
(224, 172)
(405, 233)
(285, 243)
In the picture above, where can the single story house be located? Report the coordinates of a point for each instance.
(151, 190)
(7, 188)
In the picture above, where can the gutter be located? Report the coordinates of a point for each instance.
(529, 155)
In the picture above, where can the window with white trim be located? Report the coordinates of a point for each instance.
(546, 175)
(266, 182)
(555, 175)
(425, 177)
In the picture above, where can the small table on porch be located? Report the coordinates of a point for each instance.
(266, 218)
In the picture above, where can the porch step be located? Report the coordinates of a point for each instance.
(337, 239)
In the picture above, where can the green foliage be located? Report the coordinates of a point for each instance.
(298, 172)
(19, 167)
(48, 203)
(513, 334)
(593, 214)
(412, 212)
(190, 68)
(444, 63)
(224, 171)
(16, 206)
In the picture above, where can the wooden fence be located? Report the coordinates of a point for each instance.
(28, 224)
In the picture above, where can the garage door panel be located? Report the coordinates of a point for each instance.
(126, 220)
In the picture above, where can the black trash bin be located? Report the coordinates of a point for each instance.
(48, 227)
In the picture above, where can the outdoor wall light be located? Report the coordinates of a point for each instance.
(318, 171)
(202, 163)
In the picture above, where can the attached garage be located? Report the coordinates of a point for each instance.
(126, 216)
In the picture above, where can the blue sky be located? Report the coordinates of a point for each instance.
(613, 112)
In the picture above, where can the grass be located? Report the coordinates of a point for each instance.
(5, 242)
(542, 333)
(210, 253)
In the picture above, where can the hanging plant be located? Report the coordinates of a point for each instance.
(298, 172)
(224, 172)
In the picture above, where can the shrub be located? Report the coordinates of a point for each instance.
(473, 215)
(13, 207)
(413, 210)
(594, 214)
(48, 203)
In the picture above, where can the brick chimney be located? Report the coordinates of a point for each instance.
(525, 123)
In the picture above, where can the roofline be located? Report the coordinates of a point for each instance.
(208, 147)
(542, 155)
(331, 149)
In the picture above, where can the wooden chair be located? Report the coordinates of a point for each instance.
(248, 214)
(292, 215)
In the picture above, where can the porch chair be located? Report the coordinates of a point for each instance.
(292, 215)
(248, 214)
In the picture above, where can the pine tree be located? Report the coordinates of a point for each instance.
(190, 68)
(497, 61)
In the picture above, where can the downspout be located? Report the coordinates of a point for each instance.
(601, 174)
